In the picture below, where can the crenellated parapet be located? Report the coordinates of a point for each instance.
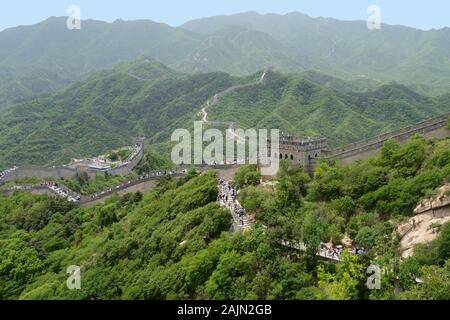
(304, 151)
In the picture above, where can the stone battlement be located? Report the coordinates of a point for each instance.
(68, 172)
(432, 127)
(304, 151)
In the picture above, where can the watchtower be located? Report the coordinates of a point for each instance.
(304, 151)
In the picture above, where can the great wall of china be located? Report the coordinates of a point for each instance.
(224, 171)
(70, 171)
(435, 127)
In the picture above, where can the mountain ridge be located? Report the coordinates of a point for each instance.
(292, 43)
(146, 98)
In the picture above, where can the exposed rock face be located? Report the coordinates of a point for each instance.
(442, 199)
(430, 212)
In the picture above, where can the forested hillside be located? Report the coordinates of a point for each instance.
(41, 58)
(174, 242)
(145, 98)
(314, 104)
(106, 111)
(348, 48)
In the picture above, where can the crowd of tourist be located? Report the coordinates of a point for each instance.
(335, 252)
(18, 187)
(6, 172)
(227, 198)
(53, 186)
(136, 149)
(139, 179)
(330, 252)
(73, 197)
(62, 191)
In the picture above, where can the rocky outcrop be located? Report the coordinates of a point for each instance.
(421, 228)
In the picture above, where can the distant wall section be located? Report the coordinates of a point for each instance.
(66, 172)
(435, 127)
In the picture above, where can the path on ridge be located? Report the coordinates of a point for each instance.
(216, 98)
(136, 77)
(62, 191)
(227, 198)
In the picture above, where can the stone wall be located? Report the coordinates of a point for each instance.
(67, 172)
(40, 172)
(126, 169)
(435, 127)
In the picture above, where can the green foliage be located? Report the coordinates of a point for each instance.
(254, 198)
(345, 282)
(435, 286)
(119, 154)
(437, 251)
(152, 161)
(327, 183)
(84, 185)
(247, 175)
(291, 186)
(232, 272)
(345, 206)
(365, 238)
(174, 241)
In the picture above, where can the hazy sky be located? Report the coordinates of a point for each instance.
(423, 14)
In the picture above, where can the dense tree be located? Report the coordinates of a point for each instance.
(291, 186)
(247, 175)
(173, 242)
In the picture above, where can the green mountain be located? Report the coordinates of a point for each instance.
(105, 111)
(240, 51)
(174, 242)
(72, 54)
(315, 104)
(145, 98)
(44, 57)
(16, 86)
(349, 48)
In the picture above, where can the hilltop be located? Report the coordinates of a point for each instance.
(313, 104)
(111, 108)
(44, 57)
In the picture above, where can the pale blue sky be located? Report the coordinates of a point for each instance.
(415, 13)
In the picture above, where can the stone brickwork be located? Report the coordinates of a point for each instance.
(67, 172)
(304, 151)
(435, 127)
